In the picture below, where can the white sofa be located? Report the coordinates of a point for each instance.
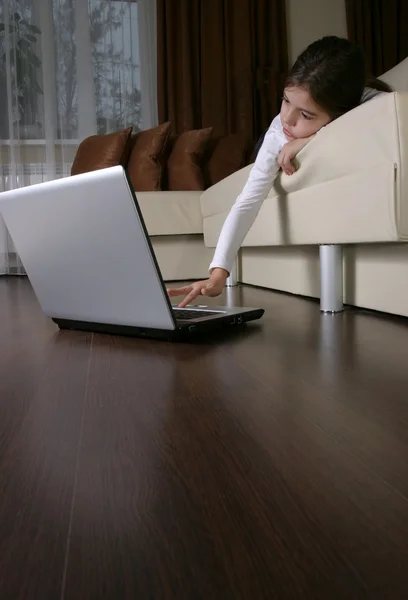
(351, 191)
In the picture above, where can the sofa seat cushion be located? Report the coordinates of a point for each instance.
(171, 213)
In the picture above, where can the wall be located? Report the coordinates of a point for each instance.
(308, 20)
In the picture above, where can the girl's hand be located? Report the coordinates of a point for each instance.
(288, 153)
(208, 287)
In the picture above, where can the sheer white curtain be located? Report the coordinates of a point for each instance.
(69, 69)
(148, 62)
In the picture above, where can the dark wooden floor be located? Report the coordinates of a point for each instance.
(269, 464)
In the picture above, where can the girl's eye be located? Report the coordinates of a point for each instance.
(307, 117)
(285, 100)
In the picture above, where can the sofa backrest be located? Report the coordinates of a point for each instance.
(397, 77)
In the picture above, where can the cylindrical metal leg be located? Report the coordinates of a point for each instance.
(231, 296)
(331, 278)
(233, 277)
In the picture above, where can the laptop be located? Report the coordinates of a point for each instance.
(85, 248)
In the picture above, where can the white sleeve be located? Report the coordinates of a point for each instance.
(370, 93)
(246, 207)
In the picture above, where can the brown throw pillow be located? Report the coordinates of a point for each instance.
(145, 164)
(102, 151)
(229, 156)
(184, 168)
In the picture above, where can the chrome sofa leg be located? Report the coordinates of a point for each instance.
(232, 280)
(331, 278)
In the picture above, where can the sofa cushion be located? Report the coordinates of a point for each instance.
(397, 77)
(184, 166)
(353, 209)
(102, 151)
(229, 155)
(145, 162)
(171, 213)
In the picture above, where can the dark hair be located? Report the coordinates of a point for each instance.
(377, 84)
(333, 70)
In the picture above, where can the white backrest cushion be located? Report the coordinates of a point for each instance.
(397, 77)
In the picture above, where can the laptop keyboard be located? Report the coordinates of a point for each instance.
(187, 315)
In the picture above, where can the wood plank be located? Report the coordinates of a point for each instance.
(42, 388)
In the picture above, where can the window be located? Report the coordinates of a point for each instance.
(40, 50)
(114, 48)
(115, 53)
(19, 69)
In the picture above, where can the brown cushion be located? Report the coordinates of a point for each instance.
(229, 156)
(145, 162)
(184, 167)
(102, 151)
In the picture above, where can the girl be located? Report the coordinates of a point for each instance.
(327, 80)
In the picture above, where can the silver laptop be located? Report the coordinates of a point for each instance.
(85, 248)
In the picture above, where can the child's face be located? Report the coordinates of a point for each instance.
(301, 117)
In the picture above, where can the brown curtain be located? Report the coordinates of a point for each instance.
(221, 63)
(380, 27)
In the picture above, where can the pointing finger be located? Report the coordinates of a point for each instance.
(191, 296)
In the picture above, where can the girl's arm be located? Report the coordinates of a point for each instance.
(245, 210)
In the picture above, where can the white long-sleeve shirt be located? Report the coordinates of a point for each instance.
(246, 207)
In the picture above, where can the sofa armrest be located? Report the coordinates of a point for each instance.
(351, 185)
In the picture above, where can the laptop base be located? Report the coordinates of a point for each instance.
(185, 331)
